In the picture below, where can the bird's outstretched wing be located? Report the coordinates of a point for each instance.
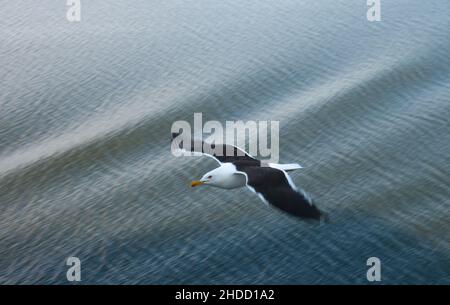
(222, 153)
(275, 188)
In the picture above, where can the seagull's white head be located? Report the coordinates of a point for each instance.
(224, 176)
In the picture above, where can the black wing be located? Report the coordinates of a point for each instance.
(221, 152)
(273, 185)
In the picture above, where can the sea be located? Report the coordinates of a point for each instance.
(86, 169)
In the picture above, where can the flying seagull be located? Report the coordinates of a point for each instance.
(269, 181)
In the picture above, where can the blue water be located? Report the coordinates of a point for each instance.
(86, 170)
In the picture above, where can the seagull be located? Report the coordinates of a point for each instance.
(270, 181)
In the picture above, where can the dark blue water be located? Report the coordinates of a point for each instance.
(86, 170)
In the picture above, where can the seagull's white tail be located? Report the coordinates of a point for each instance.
(285, 167)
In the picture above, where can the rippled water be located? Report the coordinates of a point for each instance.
(85, 163)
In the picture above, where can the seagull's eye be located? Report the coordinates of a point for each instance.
(209, 177)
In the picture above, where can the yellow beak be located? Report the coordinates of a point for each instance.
(196, 183)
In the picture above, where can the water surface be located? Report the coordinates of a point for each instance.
(85, 163)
